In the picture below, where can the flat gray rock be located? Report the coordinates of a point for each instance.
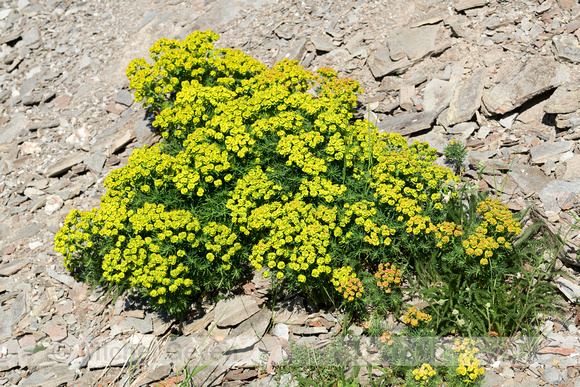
(558, 190)
(570, 289)
(10, 316)
(50, 377)
(322, 43)
(534, 77)
(114, 354)
(563, 101)
(233, 311)
(95, 162)
(12, 267)
(62, 278)
(10, 130)
(550, 151)
(142, 325)
(406, 124)
(466, 98)
(530, 179)
(380, 63)
(124, 97)
(62, 166)
(566, 48)
(249, 332)
(572, 168)
(415, 43)
(463, 5)
(6, 364)
(437, 95)
(304, 331)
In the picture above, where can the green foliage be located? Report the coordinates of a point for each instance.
(266, 169)
(455, 153)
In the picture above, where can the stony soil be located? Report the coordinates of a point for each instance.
(502, 76)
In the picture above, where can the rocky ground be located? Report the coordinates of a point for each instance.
(502, 76)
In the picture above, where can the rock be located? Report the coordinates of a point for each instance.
(53, 204)
(570, 289)
(380, 63)
(566, 48)
(463, 5)
(142, 325)
(61, 167)
(190, 326)
(463, 130)
(12, 315)
(124, 97)
(437, 95)
(13, 267)
(249, 332)
(281, 331)
(50, 377)
(295, 52)
(572, 168)
(62, 278)
(322, 43)
(8, 364)
(233, 311)
(114, 354)
(9, 131)
(553, 375)
(508, 120)
(56, 332)
(535, 76)
(550, 151)
(466, 98)
(406, 124)
(406, 94)
(555, 191)
(563, 101)
(122, 141)
(530, 179)
(415, 43)
(95, 162)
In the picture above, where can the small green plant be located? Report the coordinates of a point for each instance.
(455, 152)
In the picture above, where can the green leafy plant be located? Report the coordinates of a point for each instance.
(455, 152)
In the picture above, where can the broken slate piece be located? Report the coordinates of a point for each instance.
(550, 151)
(555, 190)
(415, 43)
(406, 124)
(9, 131)
(295, 52)
(463, 5)
(566, 48)
(570, 289)
(233, 311)
(563, 101)
(61, 167)
(124, 97)
(466, 98)
(63, 278)
(322, 43)
(12, 268)
(95, 162)
(533, 77)
(380, 64)
(437, 95)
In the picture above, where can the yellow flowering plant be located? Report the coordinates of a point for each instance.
(267, 169)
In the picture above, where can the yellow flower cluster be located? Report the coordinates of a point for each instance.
(346, 283)
(386, 276)
(424, 373)
(468, 363)
(414, 316)
(493, 232)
